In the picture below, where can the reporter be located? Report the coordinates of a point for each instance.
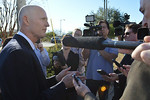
(78, 33)
(99, 59)
(65, 58)
(130, 35)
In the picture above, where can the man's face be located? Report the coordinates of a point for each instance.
(77, 33)
(39, 23)
(129, 35)
(104, 31)
(145, 9)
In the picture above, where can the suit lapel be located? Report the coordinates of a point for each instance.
(37, 66)
(22, 40)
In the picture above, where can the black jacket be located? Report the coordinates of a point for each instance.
(73, 60)
(21, 76)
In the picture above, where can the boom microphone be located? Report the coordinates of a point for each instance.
(98, 43)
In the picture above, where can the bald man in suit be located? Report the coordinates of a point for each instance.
(21, 76)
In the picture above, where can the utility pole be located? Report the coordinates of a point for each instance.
(20, 3)
(105, 9)
(61, 25)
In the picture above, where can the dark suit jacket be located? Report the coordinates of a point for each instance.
(21, 76)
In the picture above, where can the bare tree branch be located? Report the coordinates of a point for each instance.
(8, 18)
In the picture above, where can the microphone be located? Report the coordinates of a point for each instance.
(87, 25)
(98, 43)
(116, 23)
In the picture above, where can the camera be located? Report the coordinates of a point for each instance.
(142, 32)
(92, 29)
(120, 26)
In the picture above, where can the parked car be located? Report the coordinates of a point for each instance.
(0, 42)
(58, 40)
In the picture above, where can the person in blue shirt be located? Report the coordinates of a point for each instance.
(99, 59)
(43, 56)
(130, 34)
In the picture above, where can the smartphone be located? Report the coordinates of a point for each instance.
(118, 64)
(77, 79)
(102, 72)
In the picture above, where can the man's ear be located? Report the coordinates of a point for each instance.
(25, 20)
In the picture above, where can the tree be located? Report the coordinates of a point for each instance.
(112, 15)
(48, 37)
(69, 33)
(50, 34)
(8, 17)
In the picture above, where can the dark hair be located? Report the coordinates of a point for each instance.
(104, 21)
(134, 27)
(6, 41)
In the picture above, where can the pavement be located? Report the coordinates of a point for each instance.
(48, 44)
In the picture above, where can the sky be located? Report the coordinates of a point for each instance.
(71, 13)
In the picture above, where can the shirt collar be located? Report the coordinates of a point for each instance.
(29, 41)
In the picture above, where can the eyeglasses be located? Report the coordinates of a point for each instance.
(127, 33)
